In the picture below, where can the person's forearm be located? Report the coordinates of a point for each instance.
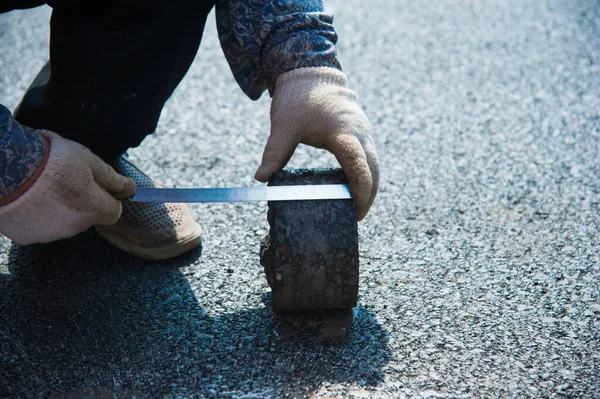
(263, 39)
(300, 40)
(21, 153)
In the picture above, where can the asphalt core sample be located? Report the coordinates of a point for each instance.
(310, 254)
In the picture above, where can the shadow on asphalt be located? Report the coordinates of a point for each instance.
(81, 319)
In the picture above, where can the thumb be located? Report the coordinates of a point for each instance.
(108, 208)
(115, 184)
(278, 151)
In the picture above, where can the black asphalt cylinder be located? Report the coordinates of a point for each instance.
(310, 254)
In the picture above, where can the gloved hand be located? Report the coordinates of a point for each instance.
(74, 190)
(314, 106)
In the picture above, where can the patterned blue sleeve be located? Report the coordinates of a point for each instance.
(21, 151)
(262, 39)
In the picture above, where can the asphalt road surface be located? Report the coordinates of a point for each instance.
(480, 260)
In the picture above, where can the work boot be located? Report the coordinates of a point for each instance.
(151, 230)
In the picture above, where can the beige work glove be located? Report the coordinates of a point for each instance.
(74, 191)
(314, 106)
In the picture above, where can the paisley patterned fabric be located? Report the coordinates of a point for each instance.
(261, 40)
(264, 38)
(21, 151)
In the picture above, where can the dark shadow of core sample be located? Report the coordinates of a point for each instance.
(81, 319)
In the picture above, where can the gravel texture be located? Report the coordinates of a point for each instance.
(480, 261)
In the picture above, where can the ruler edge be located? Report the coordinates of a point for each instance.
(347, 194)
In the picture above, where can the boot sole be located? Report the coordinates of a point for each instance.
(159, 253)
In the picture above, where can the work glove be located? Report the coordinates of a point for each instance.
(314, 106)
(74, 190)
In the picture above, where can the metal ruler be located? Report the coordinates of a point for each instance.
(242, 194)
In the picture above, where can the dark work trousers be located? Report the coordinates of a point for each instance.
(111, 69)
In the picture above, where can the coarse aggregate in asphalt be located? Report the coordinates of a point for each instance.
(480, 260)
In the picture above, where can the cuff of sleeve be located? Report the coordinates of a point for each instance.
(23, 188)
(300, 51)
(22, 150)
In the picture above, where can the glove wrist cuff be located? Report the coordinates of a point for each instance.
(41, 182)
(304, 79)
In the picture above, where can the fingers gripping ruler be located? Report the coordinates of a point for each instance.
(242, 194)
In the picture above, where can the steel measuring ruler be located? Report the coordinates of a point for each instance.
(242, 194)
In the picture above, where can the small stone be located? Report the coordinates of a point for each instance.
(432, 233)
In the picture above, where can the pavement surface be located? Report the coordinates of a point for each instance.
(480, 260)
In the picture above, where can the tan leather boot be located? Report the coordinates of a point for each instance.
(149, 230)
